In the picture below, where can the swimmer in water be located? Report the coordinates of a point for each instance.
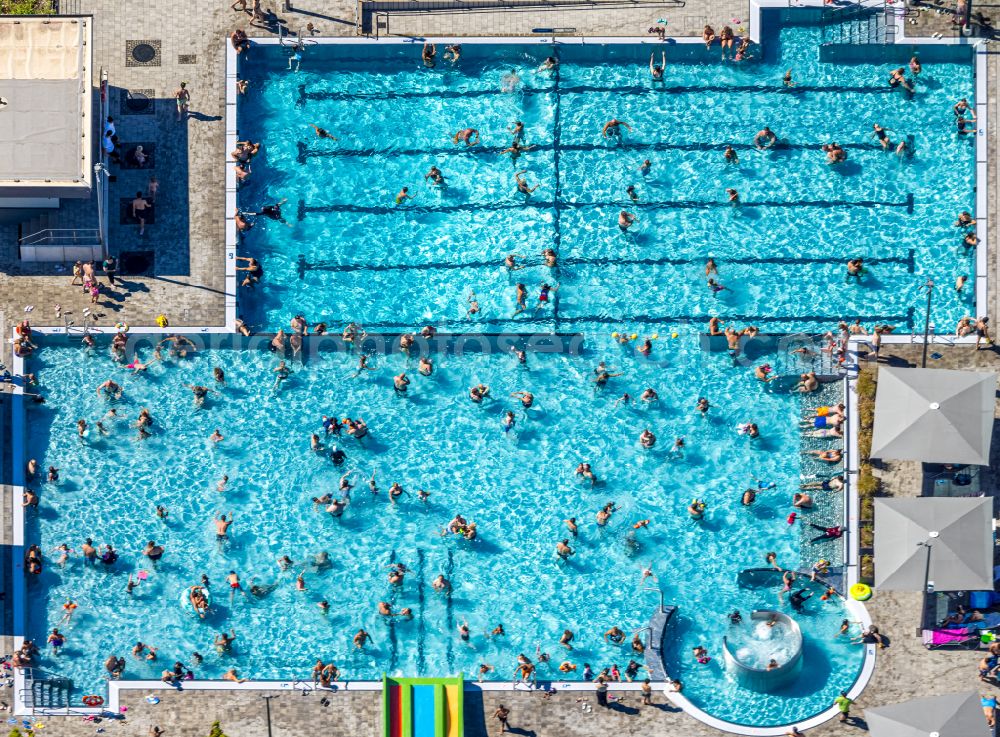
(522, 183)
(584, 471)
(881, 134)
(625, 220)
(765, 138)
(527, 398)
(656, 72)
(322, 132)
(515, 150)
(470, 136)
(404, 195)
(730, 155)
(510, 81)
(435, 175)
(644, 167)
(428, 55)
(473, 305)
(612, 129)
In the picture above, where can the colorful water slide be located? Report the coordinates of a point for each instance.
(422, 707)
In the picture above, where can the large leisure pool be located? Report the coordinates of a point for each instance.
(349, 253)
(518, 487)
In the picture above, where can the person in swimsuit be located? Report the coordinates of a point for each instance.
(428, 55)
(522, 184)
(543, 295)
(469, 135)
(897, 78)
(880, 134)
(656, 72)
(612, 129)
(962, 109)
(708, 35)
(435, 175)
(183, 98)
(322, 132)
(765, 138)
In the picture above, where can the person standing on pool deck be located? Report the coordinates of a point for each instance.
(983, 332)
(843, 704)
(183, 99)
(502, 714)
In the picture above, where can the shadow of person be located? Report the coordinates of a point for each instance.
(618, 706)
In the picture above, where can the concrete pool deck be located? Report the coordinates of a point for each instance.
(188, 286)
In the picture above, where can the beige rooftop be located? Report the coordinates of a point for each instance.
(45, 106)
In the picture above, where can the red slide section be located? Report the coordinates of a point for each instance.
(396, 712)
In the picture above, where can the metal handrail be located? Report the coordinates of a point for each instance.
(60, 236)
(658, 591)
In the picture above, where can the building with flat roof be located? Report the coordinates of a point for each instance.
(46, 146)
(52, 179)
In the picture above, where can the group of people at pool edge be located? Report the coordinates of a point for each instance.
(823, 421)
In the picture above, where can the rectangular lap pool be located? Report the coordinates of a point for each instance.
(350, 252)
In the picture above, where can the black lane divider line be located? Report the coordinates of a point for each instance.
(304, 265)
(421, 625)
(304, 152)
(393, 640)
(449, 613)
(556, 148)
(304, 209)
(583, 89)
(528, 321)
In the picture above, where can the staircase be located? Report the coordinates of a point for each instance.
(43, 690)
(790, 362)
(39, 240)
(863, 23)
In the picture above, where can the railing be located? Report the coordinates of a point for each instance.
(62, 237)
(44, 690)
(101, 168)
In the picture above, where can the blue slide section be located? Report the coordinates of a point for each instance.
(423, 711)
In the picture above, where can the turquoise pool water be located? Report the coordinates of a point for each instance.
(351, 253)
(518, 487)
